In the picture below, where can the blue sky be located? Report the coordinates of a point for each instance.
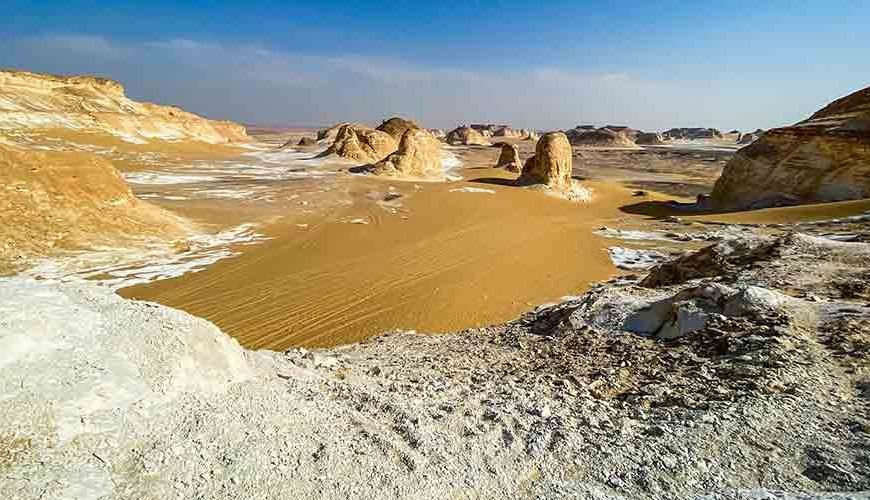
(652, 65)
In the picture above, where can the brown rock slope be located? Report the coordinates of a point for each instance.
(361, 144)
(68, 200)
(509, 159)
(823, 158)
(649, 139)
(32, 102)
(466, 136)
(551, 167)
(418, 156)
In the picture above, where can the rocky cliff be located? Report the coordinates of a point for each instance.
(823, 158)
(36, 102)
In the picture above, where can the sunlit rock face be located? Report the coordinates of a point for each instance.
(823, 158)
(418, 156)
(361, 144)
(31, 101)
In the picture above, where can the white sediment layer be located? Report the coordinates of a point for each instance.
(122, 267)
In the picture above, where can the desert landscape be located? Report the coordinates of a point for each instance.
(197, 308)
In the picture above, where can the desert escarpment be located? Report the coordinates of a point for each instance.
(66, 201)
(31, 102)
(823, 158)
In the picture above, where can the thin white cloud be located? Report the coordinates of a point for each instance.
(255, 83)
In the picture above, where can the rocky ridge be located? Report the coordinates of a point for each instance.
(824, 158)
(32, 102)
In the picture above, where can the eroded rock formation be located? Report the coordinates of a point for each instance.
(397, 126)
(551, 167)
(823, 158)
(34, 102)
(361, 144)
(509, 159)
(466, 136)
(69, 200)
(418, 156)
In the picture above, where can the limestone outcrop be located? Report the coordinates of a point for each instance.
(33, 102)
(551, 168)
(509, 159)
(418, 156)
(57, 200)
(824, 158)
(306, 142)
(361, 144)
(466, 136)
(599, 138)
(328, 135)
(397, 127)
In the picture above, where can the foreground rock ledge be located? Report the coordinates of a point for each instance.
(136, 400)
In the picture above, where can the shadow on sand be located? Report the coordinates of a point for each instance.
(495, 181)
(672, 208)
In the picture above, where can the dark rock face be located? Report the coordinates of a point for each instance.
(649, 139)
(692, 133)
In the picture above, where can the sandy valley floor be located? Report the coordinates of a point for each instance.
(348, 257)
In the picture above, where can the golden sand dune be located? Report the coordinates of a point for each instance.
(453, 256)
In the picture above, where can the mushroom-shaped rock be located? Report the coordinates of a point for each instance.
(396, 127)
(551, 167)
(466, 136)
(418, 156)
(509, 159)
(361, 144)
